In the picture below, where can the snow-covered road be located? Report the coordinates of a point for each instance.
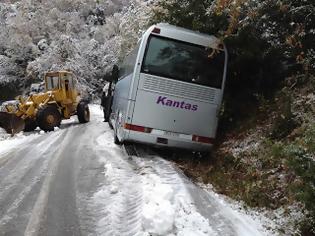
(75, 181)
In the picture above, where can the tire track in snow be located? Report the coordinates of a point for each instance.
(143, 195)
(162, 178)
(10, 160)
(22, 179)
(223, 220)
(37, 213)
(121, 198)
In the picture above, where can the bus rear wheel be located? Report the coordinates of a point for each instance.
(110, 124)
(116, 140)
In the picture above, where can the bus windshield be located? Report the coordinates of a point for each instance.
(183, 61)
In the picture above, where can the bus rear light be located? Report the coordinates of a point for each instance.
(156, 30)
(201, 139)
(137, 128)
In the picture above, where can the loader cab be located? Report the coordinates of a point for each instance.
(63, 83)
(60, 80)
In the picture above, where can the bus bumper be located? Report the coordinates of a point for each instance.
(171, 141)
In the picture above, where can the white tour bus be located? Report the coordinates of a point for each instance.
(170, 89)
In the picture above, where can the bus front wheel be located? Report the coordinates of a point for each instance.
(116, 140)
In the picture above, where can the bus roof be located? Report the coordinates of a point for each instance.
(186, 35)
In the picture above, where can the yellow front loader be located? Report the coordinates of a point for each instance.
(60, 101)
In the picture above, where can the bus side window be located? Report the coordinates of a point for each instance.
(129, 62)
(122, 71)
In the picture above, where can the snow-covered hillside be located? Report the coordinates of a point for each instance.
(85, 36)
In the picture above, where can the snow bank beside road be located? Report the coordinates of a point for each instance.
(170, 211)
(270, 222)
(244, 222)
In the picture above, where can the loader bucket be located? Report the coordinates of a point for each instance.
(11, 123)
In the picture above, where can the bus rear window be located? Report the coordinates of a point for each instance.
(183, 61)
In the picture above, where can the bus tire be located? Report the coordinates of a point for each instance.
(110, 124)
(116, 139)
(107, 110)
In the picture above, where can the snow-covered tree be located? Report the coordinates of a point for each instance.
(85, 36)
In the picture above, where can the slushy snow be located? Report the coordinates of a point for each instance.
(8, 142)
(166, 207)
(167, 211)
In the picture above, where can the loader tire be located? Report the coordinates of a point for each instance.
(48, 117)
(83, 112)
(30, 125)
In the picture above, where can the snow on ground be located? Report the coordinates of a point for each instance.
(143, 202)
(119, 199)
(164, 209)
(275, 222)
(270, 222)
(170, 211)
(3, 134)
(281, 221)
(96, 112)
(8, 142)
(248, 222)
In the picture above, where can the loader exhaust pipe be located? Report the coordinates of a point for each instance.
(11, 123)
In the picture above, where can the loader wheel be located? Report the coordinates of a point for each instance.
(83, 112)
(30, 125)
(48, 118)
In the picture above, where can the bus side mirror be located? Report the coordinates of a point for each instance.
(115, 73)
